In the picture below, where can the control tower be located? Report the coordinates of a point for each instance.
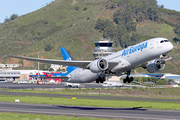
(103, 48)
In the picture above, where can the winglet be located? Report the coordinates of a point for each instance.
(168, 59)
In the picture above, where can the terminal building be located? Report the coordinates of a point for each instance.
(12, 75)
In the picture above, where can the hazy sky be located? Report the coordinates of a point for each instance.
(170, 4)
(21, 7)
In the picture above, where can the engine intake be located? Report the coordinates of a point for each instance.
(155, 65)
(99, 65)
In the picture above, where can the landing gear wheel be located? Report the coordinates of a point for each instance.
(97, 81)
(102, 80)
(130, 79)
(124, 80)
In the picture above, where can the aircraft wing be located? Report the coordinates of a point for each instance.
(80, 64)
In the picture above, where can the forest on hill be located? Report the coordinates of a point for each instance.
(122, 26)
(76, 24)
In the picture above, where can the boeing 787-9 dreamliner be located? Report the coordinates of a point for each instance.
(148, 54)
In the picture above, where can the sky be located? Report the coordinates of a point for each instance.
(22, 7)
(19, 7)
(170, 4)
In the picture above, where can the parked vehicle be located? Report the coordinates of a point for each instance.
(112, 84)
(73, 85)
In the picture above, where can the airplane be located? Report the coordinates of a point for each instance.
(148, 54)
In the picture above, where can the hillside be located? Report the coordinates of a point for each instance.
(71, 24)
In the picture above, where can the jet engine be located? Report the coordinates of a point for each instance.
(155, 65)
(99, 65)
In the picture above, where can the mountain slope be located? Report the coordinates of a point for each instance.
(71, 24)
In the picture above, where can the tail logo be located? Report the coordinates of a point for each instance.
(69, 59)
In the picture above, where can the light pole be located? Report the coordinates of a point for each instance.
(38, 66)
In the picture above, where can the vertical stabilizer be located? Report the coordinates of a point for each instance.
(67, 57)
(65, 54)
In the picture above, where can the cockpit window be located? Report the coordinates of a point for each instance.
(164, 41)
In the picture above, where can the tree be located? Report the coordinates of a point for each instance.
(13, 17)
(48, 48)
(135, 37)
(162, 6)
(6, 20)
(125, 40)
(177, 29)
(140, 17)
(85, 9)
(102, 24)
(161, 82)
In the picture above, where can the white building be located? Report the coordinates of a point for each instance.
(19, 74)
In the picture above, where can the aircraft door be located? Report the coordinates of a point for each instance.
(151, 45)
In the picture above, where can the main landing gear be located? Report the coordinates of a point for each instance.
(128, 79)
(100, 80)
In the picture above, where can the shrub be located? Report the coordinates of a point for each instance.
(85, 9)
(76, 8)
(48, 48)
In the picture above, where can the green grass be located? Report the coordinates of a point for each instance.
(17, 116)
(162, 93)
(95, 103)
(155, 29)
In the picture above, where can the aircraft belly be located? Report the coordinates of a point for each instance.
(83, 76)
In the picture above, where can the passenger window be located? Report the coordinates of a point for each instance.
(166, 40)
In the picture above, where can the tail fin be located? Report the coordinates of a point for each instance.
(65, 54)
(67, 57)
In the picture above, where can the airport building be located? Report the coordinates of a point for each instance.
(102, 48)
(13, 75)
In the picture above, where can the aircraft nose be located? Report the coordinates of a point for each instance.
(170, 46)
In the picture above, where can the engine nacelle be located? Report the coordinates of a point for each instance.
(155, 65)
(99, 65)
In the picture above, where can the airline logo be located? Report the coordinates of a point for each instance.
(69, 59)
(134, 49)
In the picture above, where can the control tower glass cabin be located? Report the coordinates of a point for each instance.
(103, 48)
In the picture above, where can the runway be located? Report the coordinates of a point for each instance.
(125, 113)
(31, 86)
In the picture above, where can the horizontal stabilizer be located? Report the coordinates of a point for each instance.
(61, 77)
